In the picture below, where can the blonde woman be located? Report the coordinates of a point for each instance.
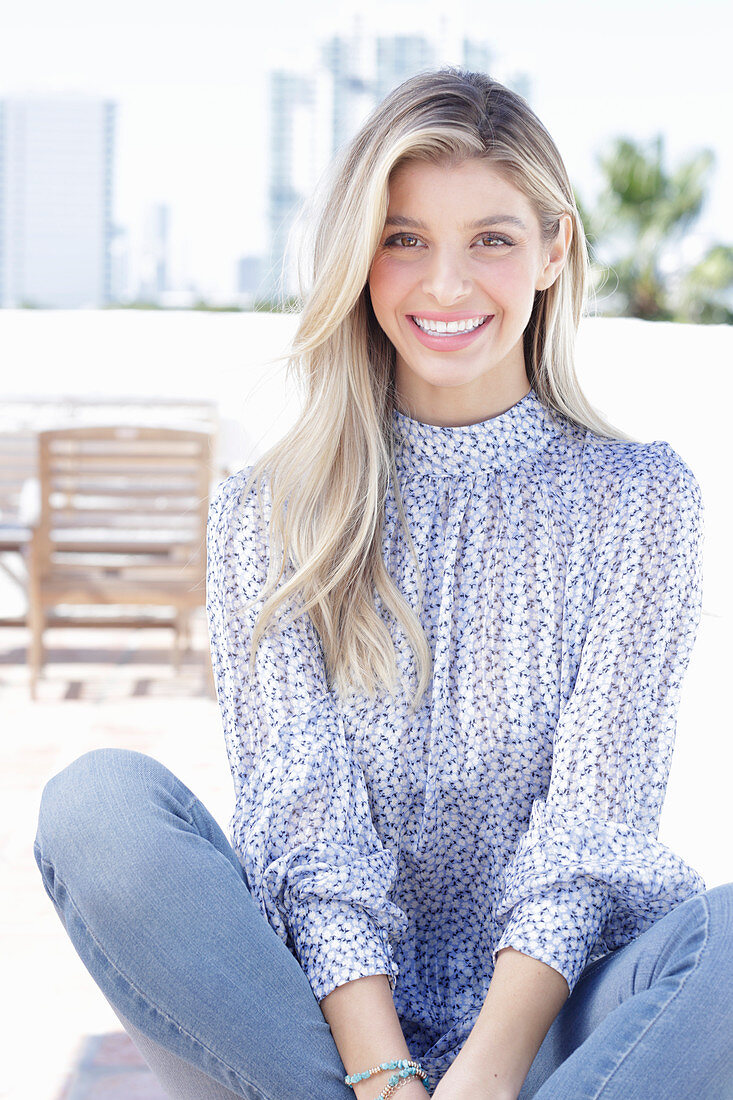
(450, 615)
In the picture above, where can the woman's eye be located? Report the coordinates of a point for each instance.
(403, 240)
(493, 241)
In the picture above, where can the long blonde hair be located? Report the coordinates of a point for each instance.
(328, 477)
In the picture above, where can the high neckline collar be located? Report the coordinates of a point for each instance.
(499, 442)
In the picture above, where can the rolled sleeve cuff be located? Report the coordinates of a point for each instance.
(337, 943)
(558, 927)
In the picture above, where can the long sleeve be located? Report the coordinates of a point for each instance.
(589, 869)
(302, 825)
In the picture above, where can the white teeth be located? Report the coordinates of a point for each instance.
(447, 328)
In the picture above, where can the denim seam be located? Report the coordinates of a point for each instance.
(187, 809)
(664, 1006)
(139, 993)
(187, 812)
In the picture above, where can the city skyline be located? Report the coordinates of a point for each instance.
(191, 93)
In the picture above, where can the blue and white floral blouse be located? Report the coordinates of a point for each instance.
(520, 805)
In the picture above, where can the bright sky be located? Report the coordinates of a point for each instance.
(190, 81)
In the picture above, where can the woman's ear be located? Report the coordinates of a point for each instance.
(558, 254)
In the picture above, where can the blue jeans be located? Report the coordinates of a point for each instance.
(157, 905)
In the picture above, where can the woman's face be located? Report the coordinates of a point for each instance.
(452, 285)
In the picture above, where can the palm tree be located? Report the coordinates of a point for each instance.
(641, 217)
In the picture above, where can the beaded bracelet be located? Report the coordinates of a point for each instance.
(396, 1080)
(406, 1069)
(399, 1063)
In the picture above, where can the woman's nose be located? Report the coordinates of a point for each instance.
(446, 279)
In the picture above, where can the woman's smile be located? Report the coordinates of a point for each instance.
(449, 332)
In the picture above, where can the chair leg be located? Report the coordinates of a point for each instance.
(35, 648)
(177, 632)
(185, 629)
(36, 613)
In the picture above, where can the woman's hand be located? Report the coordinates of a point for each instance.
(462, 1082)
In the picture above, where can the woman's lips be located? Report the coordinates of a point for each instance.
(448, 341)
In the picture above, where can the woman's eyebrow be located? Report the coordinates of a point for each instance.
(498, 219)
(408, 223)
(402, 222)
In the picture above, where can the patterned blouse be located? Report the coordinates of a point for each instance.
(520, 805)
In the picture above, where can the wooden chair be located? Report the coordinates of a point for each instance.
(122, 523)
(22, 418)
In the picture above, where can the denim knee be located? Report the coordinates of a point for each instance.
(702, 935)
(87, 807)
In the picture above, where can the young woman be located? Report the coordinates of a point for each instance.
(450, 615)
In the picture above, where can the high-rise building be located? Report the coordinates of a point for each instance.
(300, 128)
(349, 60)
(56, 160)
(398, 57)
(120, 289)
(155, 261)
(478, 56)
(249, 277)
